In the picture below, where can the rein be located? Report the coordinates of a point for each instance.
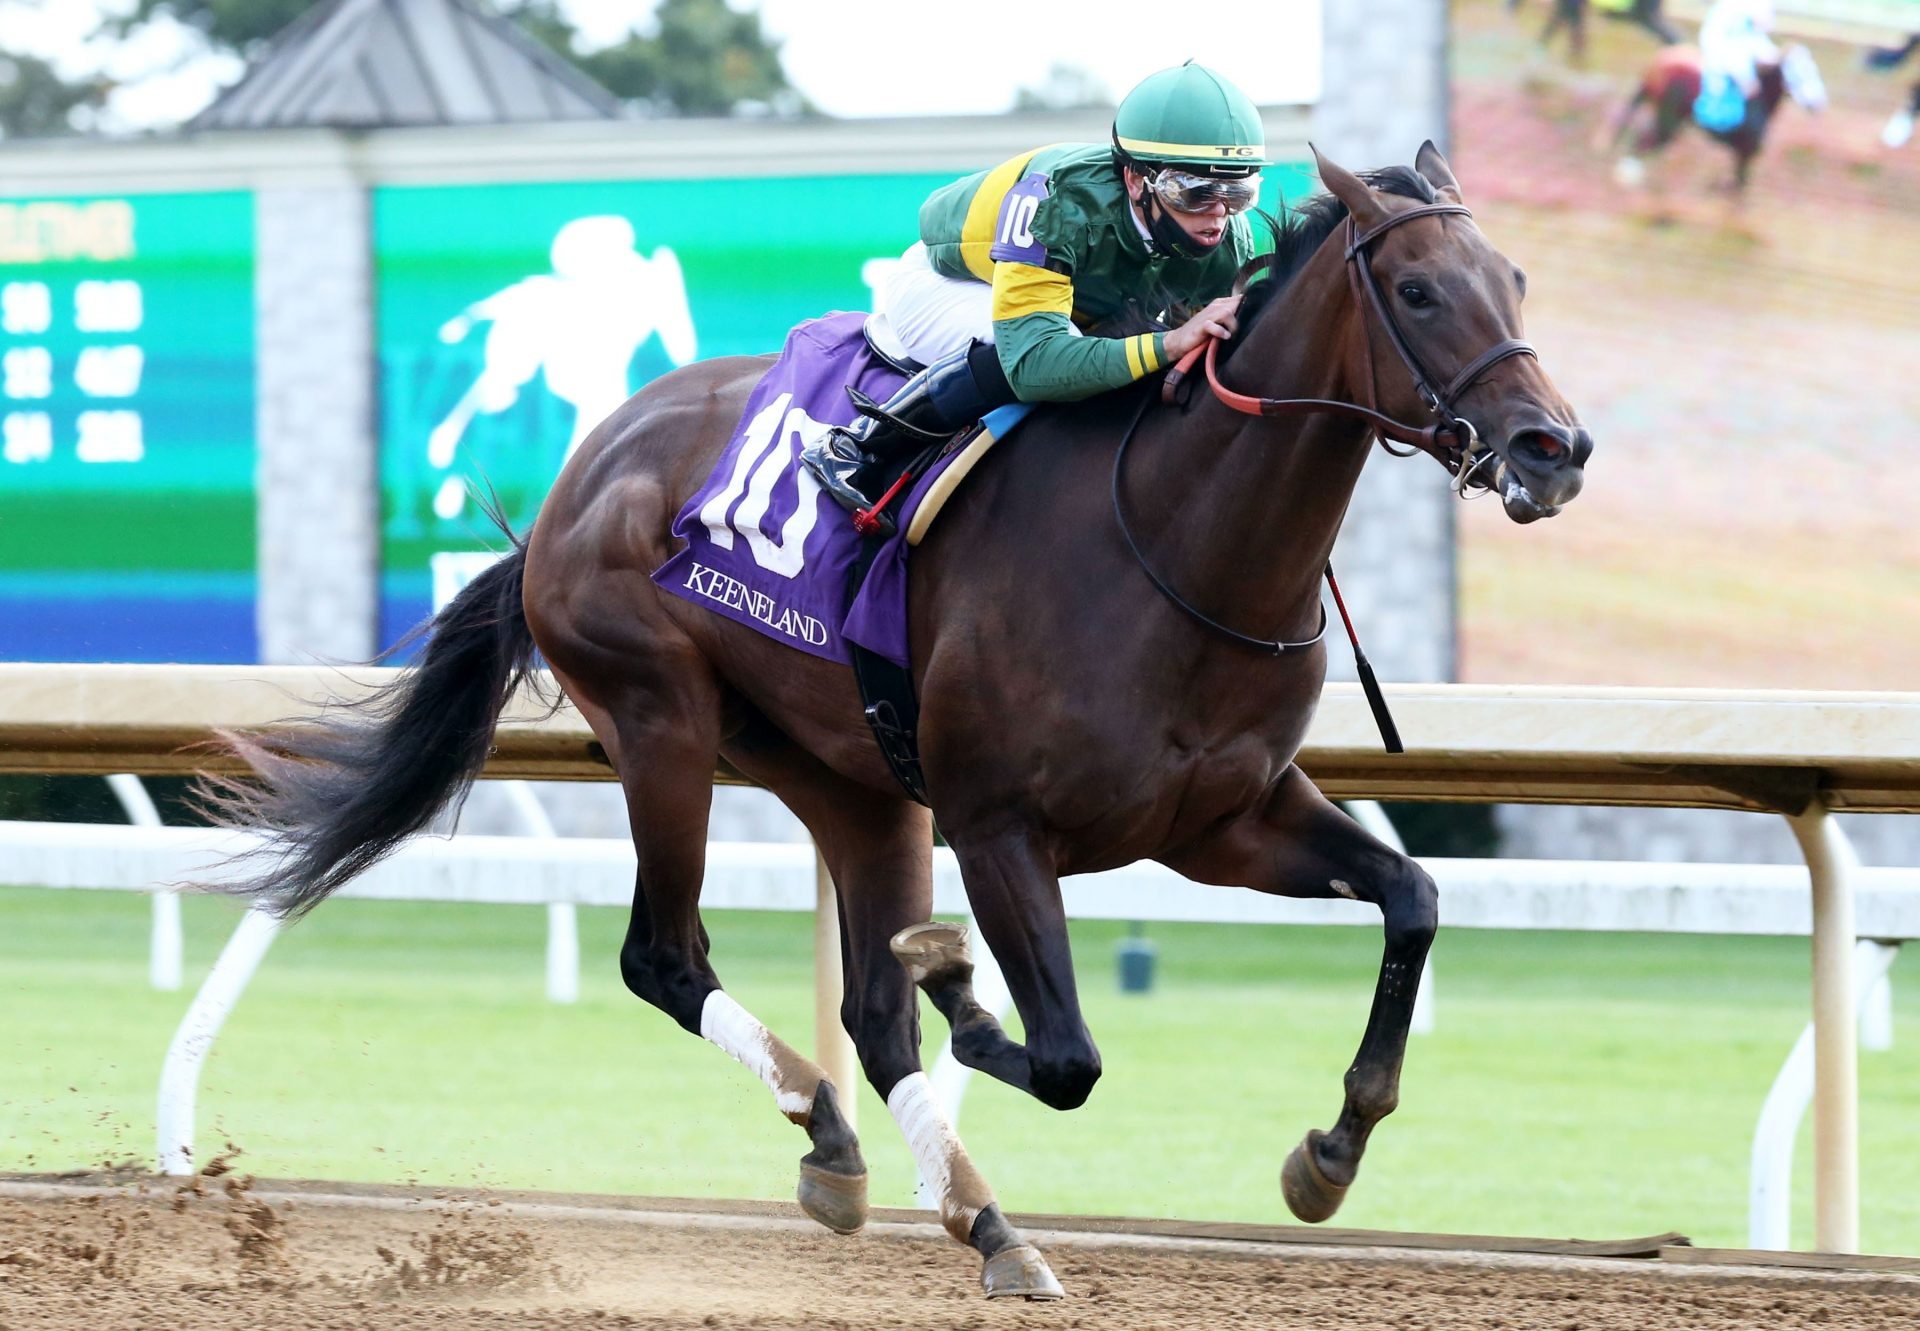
(1451, 440)
(1270, 646)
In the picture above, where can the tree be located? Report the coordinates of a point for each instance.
(702, 59)
(1065, 88)
(706, 59)
(243, 27)
(36, 100)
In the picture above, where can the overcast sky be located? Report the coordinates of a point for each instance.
(849, 57)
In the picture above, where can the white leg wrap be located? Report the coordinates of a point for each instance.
(736, 1030)
(943, 1162)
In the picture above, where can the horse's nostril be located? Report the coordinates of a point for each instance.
(1539, 446)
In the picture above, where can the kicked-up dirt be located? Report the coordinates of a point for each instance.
(222, 1253)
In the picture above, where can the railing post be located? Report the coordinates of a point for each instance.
(832, 1047)
(1770, 1171)
(180, 1073)
(165, 947)
(1876, 1016)
(563, 953)
(1831, 864)
(563, 925)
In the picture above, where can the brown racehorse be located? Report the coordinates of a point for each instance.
(1667, 93)
(1074, 718)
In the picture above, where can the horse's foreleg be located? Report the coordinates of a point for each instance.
(1622, 121)
(1015, 897)
(937, 958)
(1300, 845)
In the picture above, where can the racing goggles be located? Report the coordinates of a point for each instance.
(1187, 193)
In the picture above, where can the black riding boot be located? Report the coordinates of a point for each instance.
(930, 408)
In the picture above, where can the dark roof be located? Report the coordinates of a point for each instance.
(366, 64)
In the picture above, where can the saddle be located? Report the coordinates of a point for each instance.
(971, 444)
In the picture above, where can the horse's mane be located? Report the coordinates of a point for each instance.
(1299, 231)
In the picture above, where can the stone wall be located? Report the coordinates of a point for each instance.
(318, 452)
(1383, 92)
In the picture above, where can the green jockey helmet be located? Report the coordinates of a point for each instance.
(1191, 117)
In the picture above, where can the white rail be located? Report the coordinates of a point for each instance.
(166, 945)
(1754, 899)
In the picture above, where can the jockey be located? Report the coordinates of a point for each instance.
(1015, 263)
(1734, 43)
(1898, 129)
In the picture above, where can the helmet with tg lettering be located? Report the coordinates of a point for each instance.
(1196, 140)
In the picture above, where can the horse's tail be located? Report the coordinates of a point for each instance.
(338, 792)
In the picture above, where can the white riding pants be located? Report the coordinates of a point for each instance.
(922, 315)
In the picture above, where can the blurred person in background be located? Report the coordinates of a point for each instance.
(1899, 127)
(1736, 39)
(1572, 15)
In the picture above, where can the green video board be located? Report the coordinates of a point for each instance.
(127, 428)
(513, 318)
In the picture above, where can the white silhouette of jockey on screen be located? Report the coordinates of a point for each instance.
(581, 324)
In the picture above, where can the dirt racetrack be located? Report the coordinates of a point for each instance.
(114, 1255)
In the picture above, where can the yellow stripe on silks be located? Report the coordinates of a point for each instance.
(983, 215)
(1020, 289)
(1142, 359)
(1211, 152)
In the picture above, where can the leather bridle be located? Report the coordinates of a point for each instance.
(1451, 438)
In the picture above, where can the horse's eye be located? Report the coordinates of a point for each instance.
(1414, 296)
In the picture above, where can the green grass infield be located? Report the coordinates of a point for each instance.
(1578, 1085)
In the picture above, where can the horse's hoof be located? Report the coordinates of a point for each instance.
(838, 1201)
(1309, 1195)
(1020, 1272)
(933, 947)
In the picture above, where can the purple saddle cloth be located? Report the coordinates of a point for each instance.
(765, 545)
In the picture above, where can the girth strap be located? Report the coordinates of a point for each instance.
(887, 699)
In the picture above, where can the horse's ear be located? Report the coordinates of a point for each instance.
(1365, 205)
(1429, 163)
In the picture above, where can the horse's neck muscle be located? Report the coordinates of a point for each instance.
(1249, 505)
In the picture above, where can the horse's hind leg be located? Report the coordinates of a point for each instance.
(1300, 845)
(664, 746)
(878, 849)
